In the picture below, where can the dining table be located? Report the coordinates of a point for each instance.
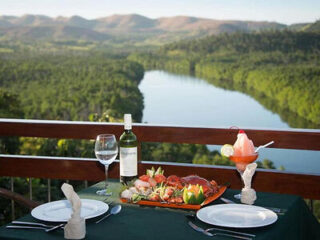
(149, 222)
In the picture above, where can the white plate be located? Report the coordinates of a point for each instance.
(237, 215)
(60, 211)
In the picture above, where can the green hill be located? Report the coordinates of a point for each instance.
(313, 27)
(284, 41)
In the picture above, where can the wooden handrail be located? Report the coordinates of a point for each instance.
(18, 198)
(90, 169)
(306, 185)
(289, 139)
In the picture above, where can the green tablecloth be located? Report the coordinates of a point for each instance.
(136, 222)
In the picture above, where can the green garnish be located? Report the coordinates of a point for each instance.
(159, 171)
(137, 197)
(152, 172)
(177, 192)
(127, 186)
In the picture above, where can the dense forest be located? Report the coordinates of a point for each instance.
(281, 68)
(72, 88)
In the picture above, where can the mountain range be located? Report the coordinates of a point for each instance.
(131, 27)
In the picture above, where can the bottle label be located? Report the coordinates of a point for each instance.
(128, 161)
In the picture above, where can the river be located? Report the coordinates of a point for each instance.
(180, 100)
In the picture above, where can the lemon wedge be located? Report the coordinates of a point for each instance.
(227, 150)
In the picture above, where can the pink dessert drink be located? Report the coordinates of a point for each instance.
(243, 146)
(244, 152)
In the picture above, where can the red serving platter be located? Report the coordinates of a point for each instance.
(208, 200)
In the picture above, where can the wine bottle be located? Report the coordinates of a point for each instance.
(128, 152)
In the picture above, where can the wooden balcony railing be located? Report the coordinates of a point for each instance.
(305, 185)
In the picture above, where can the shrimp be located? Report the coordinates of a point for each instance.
(141, 184)
(167, 193)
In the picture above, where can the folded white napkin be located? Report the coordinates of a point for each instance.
(76, 226)
(248, 195)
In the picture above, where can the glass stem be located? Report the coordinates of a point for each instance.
(106, 173)
(241, 175)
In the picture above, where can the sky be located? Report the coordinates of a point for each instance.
(282, 11)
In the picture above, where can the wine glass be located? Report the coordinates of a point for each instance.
(241, 164)
(106, 151)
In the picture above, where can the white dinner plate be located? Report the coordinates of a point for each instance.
(237, 215)
(60, 211)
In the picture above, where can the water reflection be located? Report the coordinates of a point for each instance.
(293, 120)
(185, 100)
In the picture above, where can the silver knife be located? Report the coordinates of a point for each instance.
(199, 229)
(276, 210)
(226, 200)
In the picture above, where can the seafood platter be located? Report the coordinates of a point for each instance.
(154, 189)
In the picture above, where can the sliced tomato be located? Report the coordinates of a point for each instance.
(176, 200)
(155, 198)
(160, 178)
(144, 178)
(174, 181)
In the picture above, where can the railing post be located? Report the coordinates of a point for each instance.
(311, 205)
(12, 202)
(49, 190)
(30, 188)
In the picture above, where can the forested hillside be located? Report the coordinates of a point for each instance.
(280, 66)
(73, 87)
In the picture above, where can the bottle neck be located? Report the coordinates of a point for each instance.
(127, 130)
(127, 122)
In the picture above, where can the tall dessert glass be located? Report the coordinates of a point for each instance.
(244, 154)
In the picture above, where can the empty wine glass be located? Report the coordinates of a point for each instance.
(106, 150)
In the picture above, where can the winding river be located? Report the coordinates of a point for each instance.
(189, 101)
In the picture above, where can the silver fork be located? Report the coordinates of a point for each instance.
(36, 227)
(227, 233)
